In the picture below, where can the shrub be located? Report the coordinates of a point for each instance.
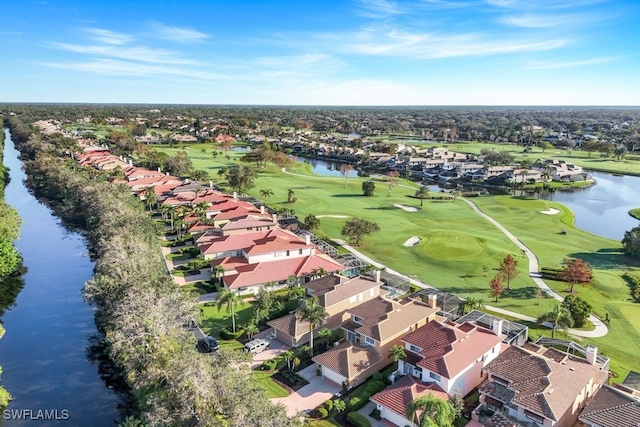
(322, 412)
(226, 334)
(358, 402)
(329, 405)
(358, 420)
(374, 387)
(269, 365)
(375, 414)
(377, 377)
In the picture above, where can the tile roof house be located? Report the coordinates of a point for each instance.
(333, 292)
(451, 355)
(375, 325)
(612, 407)
(392, 402)
(535, 384)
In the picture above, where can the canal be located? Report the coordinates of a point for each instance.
(44, 353)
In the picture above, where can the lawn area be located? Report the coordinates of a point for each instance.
(609, 293)
(263, 379)
(630, 165)
(213, 320)
(200, 288)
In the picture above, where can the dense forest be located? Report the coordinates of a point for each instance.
(139, 310)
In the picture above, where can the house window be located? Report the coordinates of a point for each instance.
(534, 417)
(299, 251)
(357, 319)
(280, 253)
(352, 336)
(434, 376)
(414, 349)
(369, 341)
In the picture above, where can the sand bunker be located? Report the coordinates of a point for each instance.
(412, 241)
(332, 216)
(550, 211)
(406, 208)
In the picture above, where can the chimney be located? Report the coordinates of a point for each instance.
(433, 300)
(592, 354)
(497, 326)
(307, 239)
(274, 217)
(376, 276)
(130, 162)
(159, 169)
(235, 195)
(262, 209)
(210, 184)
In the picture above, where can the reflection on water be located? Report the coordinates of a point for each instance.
(43, 353)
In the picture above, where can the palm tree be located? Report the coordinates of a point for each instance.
(396, 353)
(318, 272)
(218, 273)
(200, 209)
(432, 412)
(288, 356)
(266, 193)
(150, 197)
(290, 194)
(313, 313)
(559, 316)
(229, 299)
(422, 193)
(324, 334)
(251, 329)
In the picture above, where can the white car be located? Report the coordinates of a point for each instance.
(256, 346)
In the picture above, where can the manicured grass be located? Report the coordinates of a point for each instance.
(630, 165)
(635, 213)
(263, 379)
(213, 320)
(199, 288)
(179, 257)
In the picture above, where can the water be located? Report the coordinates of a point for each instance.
(44, 352)
(604, 208)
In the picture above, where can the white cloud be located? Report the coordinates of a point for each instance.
(570, 64)
(136, 53)
(177, 34)
(532, 20)
(379, 8)
(107, 36)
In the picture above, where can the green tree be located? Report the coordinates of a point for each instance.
(266, 193)
(509, 269)
(355, 229)
(241, 178)
(200, 175)
(150, 198)
(631, 242)
(312, 223)
(230, 300)
(430, 411)
(288, 356)
(324, 335)
(368, 187)
(422, 193)
(290, 194)
(310, 311)
(575, 271)
(339, 405)
(558, 317)
(396, 353)
(579, 309)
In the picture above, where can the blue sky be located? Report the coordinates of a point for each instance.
(324, 52)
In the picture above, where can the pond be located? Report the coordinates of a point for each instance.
(44, 353)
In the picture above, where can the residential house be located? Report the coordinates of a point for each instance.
(371, 329)
(392, 402)
(612, 406)
(539, 385)
(336, 294)
(451, 355)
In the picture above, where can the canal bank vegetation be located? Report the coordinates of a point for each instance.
(139, 309)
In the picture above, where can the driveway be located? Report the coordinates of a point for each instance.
(275, 349)
(314, 394)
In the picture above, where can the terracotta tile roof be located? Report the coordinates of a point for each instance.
(349, 360)
(543, 385)
(397, 396)
(249, 221)
(447, 349)
(611, 407)
(220, 244)
(291, 324)
(382, 319)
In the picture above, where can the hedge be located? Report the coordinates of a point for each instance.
(226, 334)
(269, 365)
(358, 420)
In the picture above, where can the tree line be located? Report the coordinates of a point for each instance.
(140, 311)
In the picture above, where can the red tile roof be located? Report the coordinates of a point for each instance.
(397, 396)
(611, 407)
(448, 349)
(349, 360)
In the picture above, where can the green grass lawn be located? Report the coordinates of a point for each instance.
(200, 288)
(273, 389)
(456, 244)
(213, 320)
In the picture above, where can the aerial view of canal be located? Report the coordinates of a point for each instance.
(44, 353)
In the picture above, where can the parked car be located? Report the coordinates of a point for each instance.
(211, 344)
(256, 346)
